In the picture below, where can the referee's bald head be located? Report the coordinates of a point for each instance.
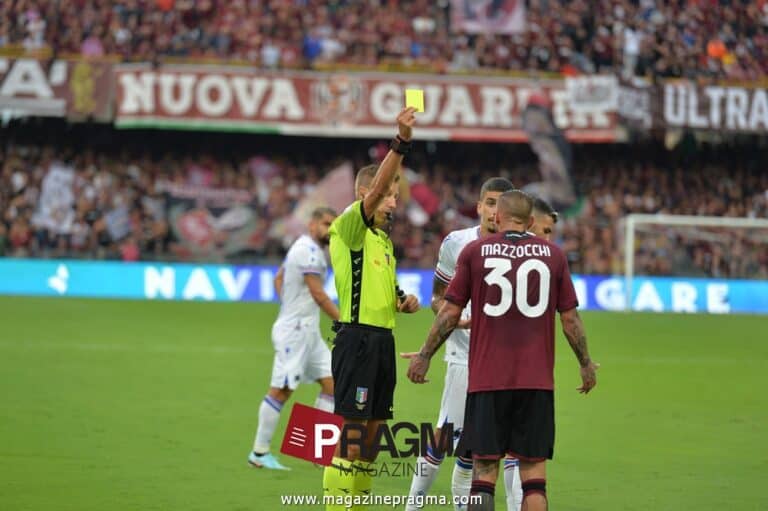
(515, 207)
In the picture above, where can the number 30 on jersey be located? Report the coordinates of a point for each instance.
(519, 294)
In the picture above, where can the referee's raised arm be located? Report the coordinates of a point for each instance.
(390, 166)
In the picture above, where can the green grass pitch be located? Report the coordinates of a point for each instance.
(139, 406)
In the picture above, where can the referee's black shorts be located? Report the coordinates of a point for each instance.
(363, 367)
(520, 423)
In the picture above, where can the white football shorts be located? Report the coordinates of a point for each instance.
(454, 398)
(301, 356)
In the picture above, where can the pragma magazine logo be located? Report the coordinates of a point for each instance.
(313, 435)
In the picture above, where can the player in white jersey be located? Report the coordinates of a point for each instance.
(301, 355)
(456, 353)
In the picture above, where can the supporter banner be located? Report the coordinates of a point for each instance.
(353, 105)
(587, 108)
(589, 93)
(554, 153)
(682, 104)
(714, 107)
(74, 89)
(54, 209)
(488, 16)
(636, 105)
(212, 222)
(163, 281)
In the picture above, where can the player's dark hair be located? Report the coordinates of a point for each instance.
(320, 212)
(366, 174)
(515, 205)
(542, 207)
(496, 184)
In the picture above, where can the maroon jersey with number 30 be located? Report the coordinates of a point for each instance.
(516, 282)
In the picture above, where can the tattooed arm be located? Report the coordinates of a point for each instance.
(438, 294)
(445, 322)
(447, 319)
(438, 300)
(573, 329)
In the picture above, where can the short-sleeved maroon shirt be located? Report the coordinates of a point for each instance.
(516, 282)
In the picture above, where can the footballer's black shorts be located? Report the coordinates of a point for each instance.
(520, 423)
(363, 367)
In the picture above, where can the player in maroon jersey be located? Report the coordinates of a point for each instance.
(516, 282)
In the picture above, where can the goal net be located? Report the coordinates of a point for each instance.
(692, 248)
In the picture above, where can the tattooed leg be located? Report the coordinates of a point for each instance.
(485, 473)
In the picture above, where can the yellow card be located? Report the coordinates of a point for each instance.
(415, 98)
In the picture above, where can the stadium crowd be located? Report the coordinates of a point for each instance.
(117, 204)
(679, 38)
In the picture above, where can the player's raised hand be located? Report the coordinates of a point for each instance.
(409, 305)
(588, 377)
(405, 123)
(417, 369)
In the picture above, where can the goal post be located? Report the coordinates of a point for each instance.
(636, 220)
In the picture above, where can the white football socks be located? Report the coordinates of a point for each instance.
(512, 484)
(423, 477)
(461, 482)
(269, 416)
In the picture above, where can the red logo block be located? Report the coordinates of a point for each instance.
(312, 434)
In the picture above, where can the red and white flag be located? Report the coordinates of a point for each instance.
(488, 16)
(335, 190)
